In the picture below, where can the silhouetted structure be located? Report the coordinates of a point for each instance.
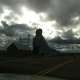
(21, 40)
(17, 49)
(40, 45)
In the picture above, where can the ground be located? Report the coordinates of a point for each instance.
(66, 67)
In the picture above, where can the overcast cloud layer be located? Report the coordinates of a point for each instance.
(61, 10)
(66, 13)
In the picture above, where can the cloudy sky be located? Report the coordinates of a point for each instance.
(55, 17)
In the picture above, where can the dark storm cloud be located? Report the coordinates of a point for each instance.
(14, 5)
(67, 37)
(64, 10)
(35, 5)
(13, 30)
(4, 24)
(8, 17)
(60, 10)
(11, 16)
(68, 34)
(38, 5)
(62, 41)
(1, 10)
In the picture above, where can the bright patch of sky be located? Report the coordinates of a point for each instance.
(48, 30)
(28, 17)
(76, 18)
(6, 12)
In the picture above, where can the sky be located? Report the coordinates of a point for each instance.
(59, 20)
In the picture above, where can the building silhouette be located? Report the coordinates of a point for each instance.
(18, 49)
(40, 46)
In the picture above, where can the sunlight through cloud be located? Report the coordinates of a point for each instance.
(29, 17)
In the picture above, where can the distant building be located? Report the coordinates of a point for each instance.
(40, 46)
(18, 49)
